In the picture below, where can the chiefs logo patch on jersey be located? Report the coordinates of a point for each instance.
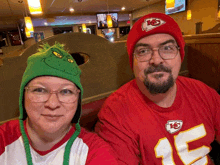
(151, 23)
(173, 126)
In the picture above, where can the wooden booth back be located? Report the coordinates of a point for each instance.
(106, 69)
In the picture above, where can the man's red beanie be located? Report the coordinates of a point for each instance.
(154, 23)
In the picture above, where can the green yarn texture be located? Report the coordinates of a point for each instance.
(26, 143)
(66, 156)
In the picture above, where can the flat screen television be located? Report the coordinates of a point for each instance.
(102, 20)
(175, 6)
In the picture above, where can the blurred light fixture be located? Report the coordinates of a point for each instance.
(27, 20)
(45, 23)
(112, 39)
(84, 28)
(170, 4)
(109, 20)
(188, 12)
(90, 22)
(123, 8)
(71, 9)
(34, 6)
(28, 33)
(189, 15)
(218, 14)
(28, 24)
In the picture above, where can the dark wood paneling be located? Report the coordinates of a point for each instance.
(203, 58)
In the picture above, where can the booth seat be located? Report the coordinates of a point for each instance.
(90, 112)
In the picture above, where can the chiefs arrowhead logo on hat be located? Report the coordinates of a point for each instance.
(151, 23)
(173, 126)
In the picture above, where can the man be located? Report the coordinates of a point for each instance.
(48, 130)
(160, 117)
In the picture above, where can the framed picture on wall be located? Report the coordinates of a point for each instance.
(15, 37)
(38, 36)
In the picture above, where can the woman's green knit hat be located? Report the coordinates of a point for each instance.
(51, 61)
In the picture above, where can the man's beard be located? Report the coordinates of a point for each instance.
(160, 87)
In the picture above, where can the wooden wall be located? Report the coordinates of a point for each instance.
(108, 66)
(203, 61)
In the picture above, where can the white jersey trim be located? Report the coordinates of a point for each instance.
(15, 154)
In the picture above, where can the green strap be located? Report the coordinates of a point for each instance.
(66, 156)
(26, 144)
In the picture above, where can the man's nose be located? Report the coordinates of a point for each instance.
(156, 58)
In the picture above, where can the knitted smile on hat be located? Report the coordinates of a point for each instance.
(154, 23)
(50, 61)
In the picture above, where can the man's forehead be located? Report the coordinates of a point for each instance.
(155, 40)
(173, 41)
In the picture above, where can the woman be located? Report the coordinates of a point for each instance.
(48, 130)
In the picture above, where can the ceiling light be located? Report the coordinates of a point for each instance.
(71, 9)
(28, 33)
(189, 15)
(34, 6)
(123, 8)
(219, 14)
(109, 20)
(84, 28)
(112, 39)
(29, 24)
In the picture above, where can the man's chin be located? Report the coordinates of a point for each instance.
(156, 83)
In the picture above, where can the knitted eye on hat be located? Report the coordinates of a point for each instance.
(50, 61)
(154, 23)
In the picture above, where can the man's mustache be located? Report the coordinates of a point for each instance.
(159, 68)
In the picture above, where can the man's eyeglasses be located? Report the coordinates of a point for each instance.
(166, 52)
(40, 94)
